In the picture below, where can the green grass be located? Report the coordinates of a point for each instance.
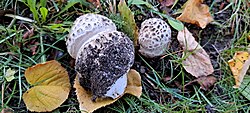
(158, 95)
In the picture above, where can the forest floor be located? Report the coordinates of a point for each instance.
(25, 43)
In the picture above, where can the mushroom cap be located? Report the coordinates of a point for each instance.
(85, 27)
(154, 37)
(103, 63)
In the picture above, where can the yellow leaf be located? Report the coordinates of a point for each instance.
(51, 86)
(130, 27)
(239, 65)
(196, 13)
(134, 83)
(9, 75)
(197, 61)
(85, 97)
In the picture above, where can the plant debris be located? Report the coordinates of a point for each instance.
(196, 13)
(196, 60)
(50, 89)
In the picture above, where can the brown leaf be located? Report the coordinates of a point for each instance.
(85, 97)
(7, 110)
(196, 13)
(95, 3)
(239, 66)
(197, 61)
(166, 3)
(50, 89)
(134, 86)
(205, 82)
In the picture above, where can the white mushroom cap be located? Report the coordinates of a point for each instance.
(85, 27)
(103, 63)
(154, 37)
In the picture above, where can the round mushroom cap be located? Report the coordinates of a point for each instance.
(85, 27)
(103, 63)
(154, 37)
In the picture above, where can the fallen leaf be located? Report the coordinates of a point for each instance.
(134, 86)
(166, 3)
(196, 13)
(85, 97)
(9, 74)
(197, 61)
(205, 82)
(239, 66)
(50, 89)
(95, 3)
(7, 110)
(129, 27)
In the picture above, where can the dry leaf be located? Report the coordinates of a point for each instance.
(134, 83)
(95, 3)
(248, 37)
(197, 61)
(85, 97)
(7, 110)
(205, 82)
(196, 13)
(130, 27)
(239, 66)
(51, 86)
(166, 3)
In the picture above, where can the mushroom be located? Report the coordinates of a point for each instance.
(103, 55)
(84, 27)
(154, 37)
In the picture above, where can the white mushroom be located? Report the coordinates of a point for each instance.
(84, 28)
(154, 37)
(103, 56)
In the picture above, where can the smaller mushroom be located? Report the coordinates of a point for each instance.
(154, 37)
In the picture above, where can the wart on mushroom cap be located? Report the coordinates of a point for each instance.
(103, 62)
(84, 28)
(154, 37)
